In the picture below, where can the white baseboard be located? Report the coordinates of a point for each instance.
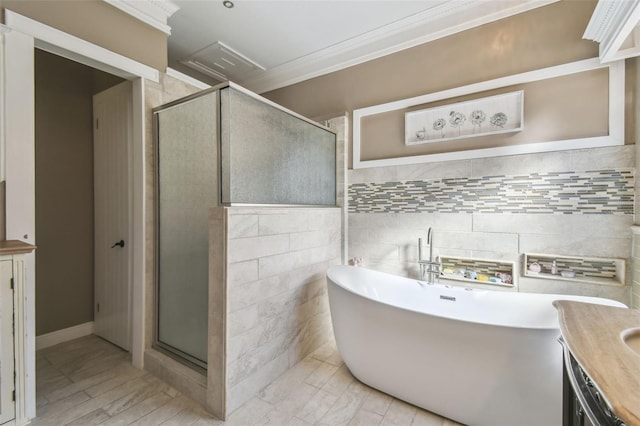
(64, 335)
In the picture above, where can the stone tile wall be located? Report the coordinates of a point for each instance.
(388, 240)
(277, 308)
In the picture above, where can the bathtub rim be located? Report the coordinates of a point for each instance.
(613, 303)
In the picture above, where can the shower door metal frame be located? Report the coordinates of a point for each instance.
(165, 348)
(169, 350)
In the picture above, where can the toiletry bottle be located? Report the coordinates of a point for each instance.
(554, 268)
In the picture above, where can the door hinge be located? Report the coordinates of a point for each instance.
(97, 123)
(12, 284)
(13, 394)
(98, 307)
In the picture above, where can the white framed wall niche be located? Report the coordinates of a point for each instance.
(369, 123)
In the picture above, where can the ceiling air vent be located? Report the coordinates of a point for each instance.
(221, 62)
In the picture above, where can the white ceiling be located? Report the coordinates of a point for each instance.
(294, 40)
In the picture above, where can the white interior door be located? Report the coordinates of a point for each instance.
(113, 124)
(7, 381)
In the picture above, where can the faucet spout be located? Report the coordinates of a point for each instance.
(428, 268)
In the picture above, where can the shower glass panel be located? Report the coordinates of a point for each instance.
(187, 188)
(270, 156)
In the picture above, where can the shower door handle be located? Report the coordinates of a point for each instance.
(118, 244)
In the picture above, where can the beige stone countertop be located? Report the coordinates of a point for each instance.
(15, 247)
(595, 337)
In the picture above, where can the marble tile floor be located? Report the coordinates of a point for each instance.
(88, 381)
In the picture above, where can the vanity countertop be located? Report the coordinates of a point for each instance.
(594, 335)
(15, 247)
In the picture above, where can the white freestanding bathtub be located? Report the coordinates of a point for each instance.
(479, 357)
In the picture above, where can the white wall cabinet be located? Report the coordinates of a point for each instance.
(15, 378)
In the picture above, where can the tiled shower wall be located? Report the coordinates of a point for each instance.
(277, 306)
(575, 203)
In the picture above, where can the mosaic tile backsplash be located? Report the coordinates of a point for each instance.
(592, 192)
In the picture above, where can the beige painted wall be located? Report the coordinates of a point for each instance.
(547, 36)
(540, 38)
(100, 23)
(64, 190)
(543, 37)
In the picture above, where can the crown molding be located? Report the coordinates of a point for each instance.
(151, 12)
(443, 20)
(611, 25)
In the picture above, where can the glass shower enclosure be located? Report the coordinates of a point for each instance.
(224, 146)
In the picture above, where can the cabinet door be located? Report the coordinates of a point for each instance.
(7, 380)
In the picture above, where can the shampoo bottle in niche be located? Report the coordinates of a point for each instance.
(554, 268)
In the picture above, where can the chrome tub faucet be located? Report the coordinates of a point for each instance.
(429, 269)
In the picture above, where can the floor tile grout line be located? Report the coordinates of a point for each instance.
(322, 371)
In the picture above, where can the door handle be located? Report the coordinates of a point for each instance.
(118, 244)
